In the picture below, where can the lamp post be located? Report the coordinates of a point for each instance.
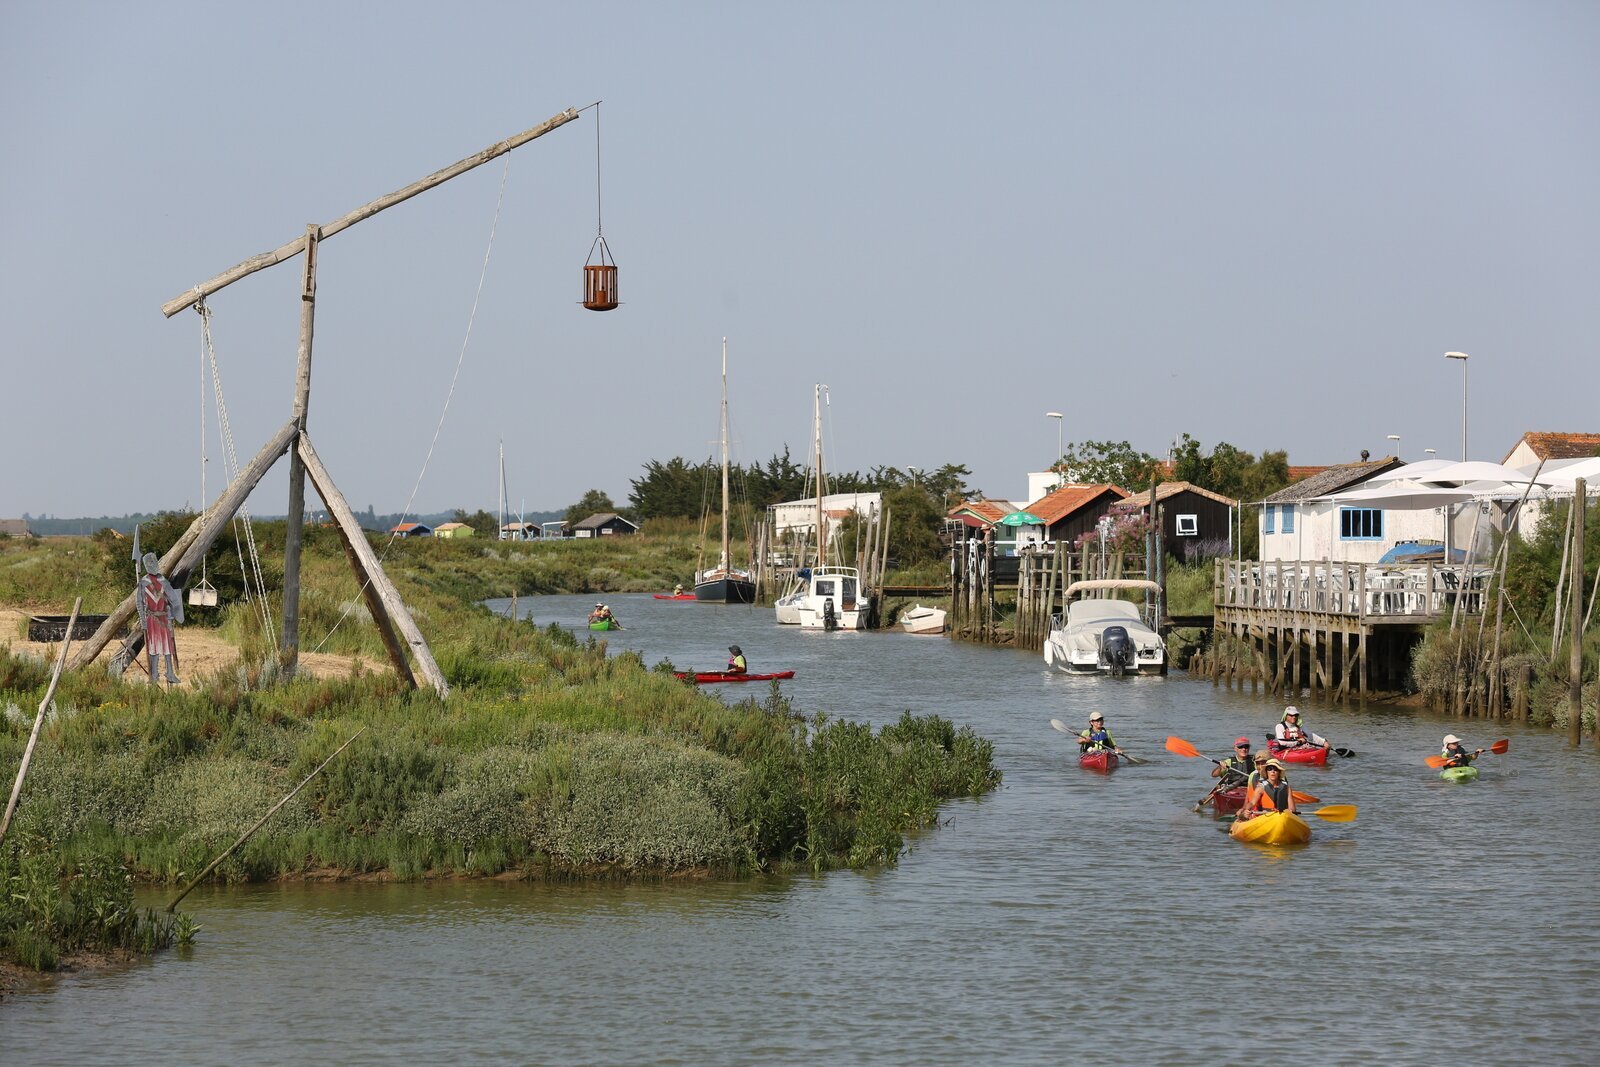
(1396, 448)
(1058, 416)
(1462, 356)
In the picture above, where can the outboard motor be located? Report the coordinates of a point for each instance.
(830, 621)
(1117, 647)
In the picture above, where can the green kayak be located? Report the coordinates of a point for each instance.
(1459, 774)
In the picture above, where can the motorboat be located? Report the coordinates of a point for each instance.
(921, 620)
(1102, 635)
(833, 600)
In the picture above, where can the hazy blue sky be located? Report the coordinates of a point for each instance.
(1257, 222)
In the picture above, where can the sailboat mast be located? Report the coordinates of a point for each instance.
(725, 559)
(816, 433)
(501, 534)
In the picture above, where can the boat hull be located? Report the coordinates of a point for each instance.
(1309, 754)
(1459, 774)
(726, 591)
(1272, 828)
(1099, 762)
(603, 624)
(708, 677)
(674, 596)
(921, 620)
(1228, 801)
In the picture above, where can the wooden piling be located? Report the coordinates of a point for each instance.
(1580, 506)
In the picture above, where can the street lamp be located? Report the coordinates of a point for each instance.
(1396, 439)
(1462, 356)
(1431, 452)
(913, 472)
(1058, 416)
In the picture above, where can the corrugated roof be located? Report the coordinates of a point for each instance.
(1333, 479)
(1168, 489)
(1560, 445)
(1053, 507)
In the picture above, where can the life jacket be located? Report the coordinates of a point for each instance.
(1096, 739)
(1271, 797)
(1236, 771)
(1456, 756)
(737, 665)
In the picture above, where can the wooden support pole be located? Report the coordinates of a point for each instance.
(380, 614)
(1580, 505)
(294, 525)
(38, 720)
(182, 557)
(366, 211)
(374, 569)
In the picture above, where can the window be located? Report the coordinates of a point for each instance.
(1188, 525)
(1288, 518)
(1268, 514)
(1360, 524)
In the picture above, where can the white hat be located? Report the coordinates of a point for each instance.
(1291, 710)
(1451, 739)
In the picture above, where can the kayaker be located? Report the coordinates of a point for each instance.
(1270, 793)
(600, 612)
(1097, 737)
(1260, 761)
(736, 660)
(1455, 753)
(1289, 733)
(677, 590)
(1235, 770)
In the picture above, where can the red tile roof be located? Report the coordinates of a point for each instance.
(991, 511)
(1053, 507)
(1300, 473)
(1561, 445)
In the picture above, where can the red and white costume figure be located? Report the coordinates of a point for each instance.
(160, 608)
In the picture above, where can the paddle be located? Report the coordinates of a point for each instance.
(1499, 748)
(1335, 813)
(1272, 739)
(1184, 748)
(1070, 732)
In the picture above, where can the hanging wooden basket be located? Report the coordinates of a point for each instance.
(600, 278)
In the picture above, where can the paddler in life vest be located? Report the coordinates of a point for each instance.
(1236, 769)
(677, 590)
(1269, 793)
(1455, 753)
(1096, 738)
(1290, 734)
(736, 660)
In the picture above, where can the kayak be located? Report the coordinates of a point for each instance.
(1104, 761)
(702, 677)
(1459, 774)
(604, 624)
(1228, 801)
(674, 596)
(1299, 754)
(1272, 828)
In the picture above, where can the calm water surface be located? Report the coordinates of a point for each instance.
(1065, 918)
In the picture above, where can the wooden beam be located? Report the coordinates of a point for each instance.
(294, 521)
(366, 211)
(182, 557)
(380, 614)
(380, 581)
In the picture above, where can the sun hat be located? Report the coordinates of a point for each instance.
(736, 650)
(1097, 717)
(1241, 741)
(1451, 739)
(1275, 763)
(1261, 757)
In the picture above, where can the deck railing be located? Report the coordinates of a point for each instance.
(1418, 591)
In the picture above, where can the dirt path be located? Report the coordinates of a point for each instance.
(201, 652)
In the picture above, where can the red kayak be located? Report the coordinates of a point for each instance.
(673, 596)
(1298, 753)
(1228, 801)
(702, 677)
(1105, 761)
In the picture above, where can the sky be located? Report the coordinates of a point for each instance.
(1253, 222)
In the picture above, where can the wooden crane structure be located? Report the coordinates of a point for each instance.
(389, 613)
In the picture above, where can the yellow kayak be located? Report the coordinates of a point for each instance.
(1272, 828)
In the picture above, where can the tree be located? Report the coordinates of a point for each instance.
(1113, 462)
(483, 524)
(593, 503)
(675, 488)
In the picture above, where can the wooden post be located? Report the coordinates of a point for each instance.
(38, 720)
(1580, 506)
(358, 542)
(182, 557)
(1519, 700)
(380, 614)
(289, 642)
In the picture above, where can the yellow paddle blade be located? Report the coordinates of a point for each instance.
(1336, 813)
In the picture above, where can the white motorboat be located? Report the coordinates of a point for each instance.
(1101, 635)
(833, 600)
(921, 620)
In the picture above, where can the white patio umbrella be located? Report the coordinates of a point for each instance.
(1412, 497)
(1477, 470)
(1563, 477)
(1409, 471)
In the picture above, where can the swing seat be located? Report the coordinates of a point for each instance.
(203, 595)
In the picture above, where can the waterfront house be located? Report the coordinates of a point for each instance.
(453, 530)
(1070, 511)
(411, 529)
(519, 531)
(1198, 522)
(604, 524)
(1554, 451)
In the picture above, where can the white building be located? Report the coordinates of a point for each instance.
(798, 518)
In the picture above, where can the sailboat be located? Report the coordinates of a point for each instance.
(723, 584)
(826, 597)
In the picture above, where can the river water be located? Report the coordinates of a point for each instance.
(1066, 917)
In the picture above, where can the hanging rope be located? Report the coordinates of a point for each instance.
(461, 357)
(599, 223)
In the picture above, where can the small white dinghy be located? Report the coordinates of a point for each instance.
(921, 620)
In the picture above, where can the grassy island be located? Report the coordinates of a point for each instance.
(549, 759)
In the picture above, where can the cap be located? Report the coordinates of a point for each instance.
(1097, 717)
(1242, 741)
(1451, 739)
(1291, 710)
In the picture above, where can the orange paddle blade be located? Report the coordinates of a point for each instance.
(1501, 747)
(1437, 761)
(1304, 798)
(1182, 747)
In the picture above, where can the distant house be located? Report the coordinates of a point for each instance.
(453, 529)
(1071, 511)
(798, 518)
(979, 514)
(411, 529)
(1533, 447)
(605, 524)
(15, 528)
(519, 531)
(1194, 517)
(554, 529)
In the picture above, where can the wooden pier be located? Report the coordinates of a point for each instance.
(1329, 628)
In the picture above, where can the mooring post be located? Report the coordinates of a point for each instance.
(1580, 505)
